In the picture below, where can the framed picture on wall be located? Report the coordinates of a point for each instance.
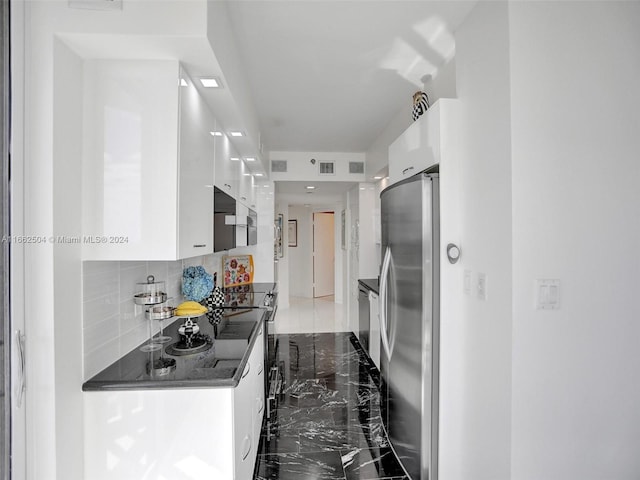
(278, 240)
(293, 233)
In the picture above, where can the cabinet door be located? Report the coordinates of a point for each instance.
(257, 359)
(226, 169)
(243, 437)
(195, 204)
(247, 187)
(129, 169)
(418, 147)
(242, 212)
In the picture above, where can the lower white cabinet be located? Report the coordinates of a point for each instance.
(246, 396)
(182, 433)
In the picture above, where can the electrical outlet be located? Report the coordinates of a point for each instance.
(482, 286)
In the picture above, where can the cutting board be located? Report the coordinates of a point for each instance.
(237, 270)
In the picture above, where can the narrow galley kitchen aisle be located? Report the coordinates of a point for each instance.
(327, 425)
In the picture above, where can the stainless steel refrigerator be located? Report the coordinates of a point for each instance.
(410, 320)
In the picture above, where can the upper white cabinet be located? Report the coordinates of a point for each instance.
(246, 191)
(227, 166)
(196, 163)
(425, 143)
(147, 163)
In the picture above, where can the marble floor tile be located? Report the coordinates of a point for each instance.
(328, 423)
(370, 464)
(294, 466)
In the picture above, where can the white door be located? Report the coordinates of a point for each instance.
(323, 254)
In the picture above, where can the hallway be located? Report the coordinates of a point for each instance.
(328, 423)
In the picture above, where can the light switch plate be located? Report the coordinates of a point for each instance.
(547, 294)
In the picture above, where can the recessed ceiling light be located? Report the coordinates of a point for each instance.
(246, 174)
(377, 178)
(266, 186)
(183, 83)
(250, 159)
(257, 175)
(236, 134)
(216, 134)
(234, 159)
(309, 187)
(361, 188)
(210, 82)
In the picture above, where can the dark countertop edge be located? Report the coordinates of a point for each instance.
(137, 385)
(370, 284)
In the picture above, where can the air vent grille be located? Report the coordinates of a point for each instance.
(356, 167)
(327, 168)
(279, 166)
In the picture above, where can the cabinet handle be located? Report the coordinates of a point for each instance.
(200, 245)
(406, 170)
(246, 447)
(243, 198)
(22, 385)
(246, 370)
(261, 406)
(228, 186)
(261, 368)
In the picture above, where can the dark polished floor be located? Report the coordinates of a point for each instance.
(327, 425)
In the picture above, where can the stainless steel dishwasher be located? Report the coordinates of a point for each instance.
(363, 317)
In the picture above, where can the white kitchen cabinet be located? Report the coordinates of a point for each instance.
(196, 161)
(425, 142)
(244, 441)
(227, 166)
(374, 328)
(246, 398)
(176, 433)
(147, 163)
(242, 212)
(246, 193)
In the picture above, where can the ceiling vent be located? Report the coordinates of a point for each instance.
(356, 167)
(279, 166)
(327, 168)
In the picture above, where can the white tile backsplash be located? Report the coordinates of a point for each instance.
(113, 324)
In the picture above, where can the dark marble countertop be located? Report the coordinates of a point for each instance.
(370, 284)
(219, 366)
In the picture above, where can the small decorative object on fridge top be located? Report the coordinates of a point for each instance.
(420, 104)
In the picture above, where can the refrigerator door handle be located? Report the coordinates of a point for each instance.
(383, 301)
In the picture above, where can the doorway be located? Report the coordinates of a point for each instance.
(323, 254)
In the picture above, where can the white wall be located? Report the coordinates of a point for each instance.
(301, 256)
(575, 103)
(475, 388)
(367, 256)
(67, 158)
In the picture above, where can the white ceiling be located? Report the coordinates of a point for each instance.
(330, 75)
